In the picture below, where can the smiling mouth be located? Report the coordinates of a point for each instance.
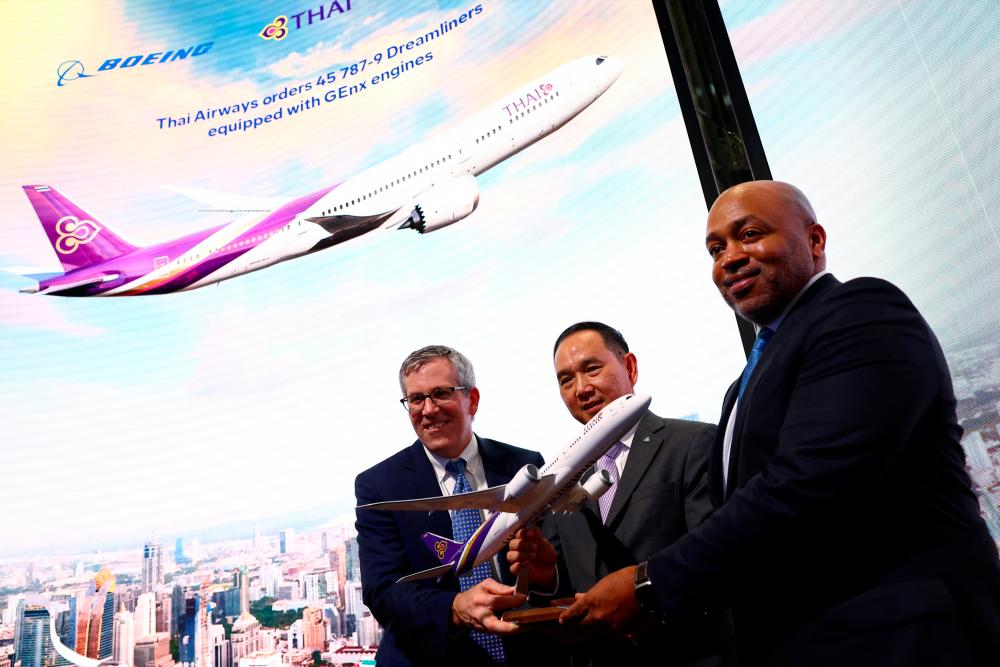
(741, 283)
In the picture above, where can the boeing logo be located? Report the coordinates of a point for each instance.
(70, 71)
(74, 69)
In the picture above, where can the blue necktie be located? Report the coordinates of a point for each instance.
(464, 523)
(756, 353)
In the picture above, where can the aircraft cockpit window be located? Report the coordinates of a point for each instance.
(600, 59)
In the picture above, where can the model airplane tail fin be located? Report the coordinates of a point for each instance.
(446, 550)
(76, 237)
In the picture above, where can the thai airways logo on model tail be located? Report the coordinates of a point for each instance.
(279, 28)
(71, 70)
(72, 233)
(522, 103)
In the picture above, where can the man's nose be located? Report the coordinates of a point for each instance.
(583, 385)
(428, 407)
(733, 256)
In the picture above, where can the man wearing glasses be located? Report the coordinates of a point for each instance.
(430, 622)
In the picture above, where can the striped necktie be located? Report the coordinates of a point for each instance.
(607, 462)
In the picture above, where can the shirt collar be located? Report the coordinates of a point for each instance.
(626, 441)
(473, 461)
(776, 322)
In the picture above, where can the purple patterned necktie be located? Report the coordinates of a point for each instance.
(463, 524)
(607, 462)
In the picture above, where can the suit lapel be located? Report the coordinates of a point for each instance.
(497, 467)
(772, 354)
(648, 438)
(420, 481)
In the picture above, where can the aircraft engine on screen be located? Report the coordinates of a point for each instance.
(444, 204)
(524, 480)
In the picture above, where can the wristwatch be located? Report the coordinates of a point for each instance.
(644, 592)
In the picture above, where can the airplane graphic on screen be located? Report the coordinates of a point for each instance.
(426, 187)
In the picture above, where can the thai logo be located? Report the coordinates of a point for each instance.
(72, 233)
(525, 102)
(440, 547)
(279, 28)
(276, 29)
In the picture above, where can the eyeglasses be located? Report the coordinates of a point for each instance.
(439, 396)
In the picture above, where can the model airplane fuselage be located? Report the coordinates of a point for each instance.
(529, 495)
(426, 187)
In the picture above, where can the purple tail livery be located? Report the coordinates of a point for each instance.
(78, 239)
(444, 549)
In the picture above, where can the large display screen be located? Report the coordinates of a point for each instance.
(305, 193)
(147, 410)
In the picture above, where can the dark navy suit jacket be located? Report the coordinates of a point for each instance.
(848, 534)
(416, 616)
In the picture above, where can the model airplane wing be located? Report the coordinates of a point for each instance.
(488, 499)
(432, 573)
(492, 499)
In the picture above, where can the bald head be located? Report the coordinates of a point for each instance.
(765, 244)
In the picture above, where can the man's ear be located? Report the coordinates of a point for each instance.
(473, 401)
(631, 367)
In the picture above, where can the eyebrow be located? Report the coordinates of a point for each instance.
(731, 225)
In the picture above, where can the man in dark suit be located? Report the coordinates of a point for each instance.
(848, 533)
(661, 492)
(426, 622)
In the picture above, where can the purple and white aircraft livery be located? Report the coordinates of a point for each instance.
(426, 187)
(529, 495)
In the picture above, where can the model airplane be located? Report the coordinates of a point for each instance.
(529, 495)
(426, 187)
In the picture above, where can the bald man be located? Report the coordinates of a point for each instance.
(847, 531)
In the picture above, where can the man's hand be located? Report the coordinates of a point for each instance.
(475, 607)
(531, 555)
(610, 602)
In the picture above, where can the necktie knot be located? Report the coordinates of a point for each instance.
(456, 467)
(608, 459)
(763, 336)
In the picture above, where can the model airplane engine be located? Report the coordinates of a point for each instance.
(525, 478)
(444, 204)
(597, 485)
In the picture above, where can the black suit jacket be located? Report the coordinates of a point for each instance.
(848, 533)
(416, 616)
(663, 493)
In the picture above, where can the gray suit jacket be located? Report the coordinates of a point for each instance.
(662, 494)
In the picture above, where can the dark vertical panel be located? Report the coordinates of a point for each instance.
(720, 125)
